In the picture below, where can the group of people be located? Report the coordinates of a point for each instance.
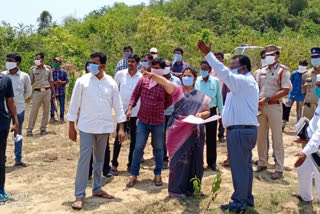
(154, 95)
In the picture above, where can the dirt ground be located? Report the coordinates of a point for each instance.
(47, 185)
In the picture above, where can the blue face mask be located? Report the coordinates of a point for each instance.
(94, 68)
(145, 64)
(234, 71)
(204, 74)
(177, 57)
(187, 81)
(126, 54)
(317, 90)
(315, 62)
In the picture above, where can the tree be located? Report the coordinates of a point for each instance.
(45, 20)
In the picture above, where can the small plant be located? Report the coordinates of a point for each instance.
(214, 190)
(196, 186)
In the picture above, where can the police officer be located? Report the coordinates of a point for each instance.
(274, 83)
(309, 82)
(41, 79)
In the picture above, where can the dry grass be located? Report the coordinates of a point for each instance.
(49, 181)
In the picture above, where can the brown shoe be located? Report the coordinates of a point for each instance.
(276, 175)
(21, 163)
(261, 168)
(103, 194)
(132, 181)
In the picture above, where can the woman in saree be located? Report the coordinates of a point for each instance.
(185, 141)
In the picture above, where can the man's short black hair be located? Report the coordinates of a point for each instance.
(159, 61)
(262, 53)
(102, 56)
(205, 62)
(219, 54)
(243, 60)
(178, 49)
(14, 56)
(303, 62)
(150, 57)
(128, 47)
(40, 54)
(135, 57)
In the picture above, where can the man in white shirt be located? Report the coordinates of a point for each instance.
(239, 117)
(308, 161)
(93, 97)
(127, 80)
(22, 89)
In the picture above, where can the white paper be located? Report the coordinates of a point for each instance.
(196, 120)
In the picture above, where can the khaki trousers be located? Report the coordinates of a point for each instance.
(271, 116)
(309, 111)
(39, 98)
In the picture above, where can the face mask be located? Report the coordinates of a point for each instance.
(187, 81)
(11, 65)
(234, 71)
(56, 64)
(177, 57)
(145, 64)
(94, 69)
(263, 62)
(155, 56)
(126, 55)
(157, 71)
(315, 62)
(270, 60)
(204, 74)
(37, 62)
(317, 91)
(166, 70)
(302, 69)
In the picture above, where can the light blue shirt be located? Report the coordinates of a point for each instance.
(170, 109)
(212, 89)
(241, 106)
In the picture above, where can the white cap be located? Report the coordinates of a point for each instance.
(154, 50)
(318, 77)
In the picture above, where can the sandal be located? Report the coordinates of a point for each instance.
(157, 180)
(103, 194)
(132, 181)
(114, 171)
(77, 204)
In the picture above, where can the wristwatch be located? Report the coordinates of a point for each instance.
(268, 99)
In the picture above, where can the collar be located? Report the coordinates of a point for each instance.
(136, 74)
(18, 73)
(94, 76)
(209, 79)
(57, 70)
(274, 67)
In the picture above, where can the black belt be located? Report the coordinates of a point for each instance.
(241, 127)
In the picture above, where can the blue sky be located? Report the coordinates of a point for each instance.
(27, 11)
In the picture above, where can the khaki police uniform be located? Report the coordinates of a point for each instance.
(40, 79)
(270, 115)
(311, 100)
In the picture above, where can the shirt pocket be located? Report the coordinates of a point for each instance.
(37, 76)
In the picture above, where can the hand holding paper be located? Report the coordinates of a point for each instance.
(196, 120)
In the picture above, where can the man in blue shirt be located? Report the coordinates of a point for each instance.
(178, 65)
(296, 94)
(6, 97)
(210, 86)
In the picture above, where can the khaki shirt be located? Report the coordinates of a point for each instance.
(268, 80)
(41, 78)
(309, 83)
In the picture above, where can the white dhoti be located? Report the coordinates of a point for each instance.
(306, 172)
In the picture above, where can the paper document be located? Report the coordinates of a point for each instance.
(196, 120)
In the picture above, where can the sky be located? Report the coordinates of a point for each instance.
(27, 11)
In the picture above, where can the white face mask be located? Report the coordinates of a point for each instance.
(270, 60)
(302, 68)
(155, 56)
(263, 62)
(11, 65)
(37, 62)
(166, 70)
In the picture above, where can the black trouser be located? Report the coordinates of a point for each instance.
(106, 167)
(211, 139)
(165, 153)
(132, 125)
(3, 146)
(286, 112)
(221, 131)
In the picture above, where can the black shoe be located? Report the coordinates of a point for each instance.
(29, 134)
(233, 207)
(108, 175)
(43, 132)
(214, 167)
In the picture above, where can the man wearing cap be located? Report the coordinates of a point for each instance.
(42, 81)
(296, 94)
(309, 82)
(154, 52)
(308, 159)
(274, 83)
(60, 79)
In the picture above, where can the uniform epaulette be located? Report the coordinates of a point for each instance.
(285, 67)
(47, 66)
